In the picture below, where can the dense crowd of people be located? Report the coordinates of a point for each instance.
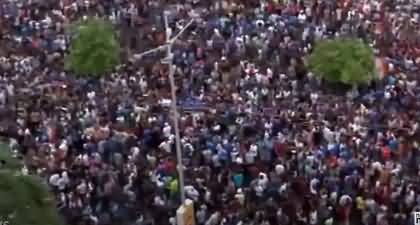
(263, 140)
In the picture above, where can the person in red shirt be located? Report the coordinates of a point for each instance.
(280, 149)
(386, 153)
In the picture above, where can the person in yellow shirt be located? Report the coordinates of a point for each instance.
(360, 203)
(173, 187)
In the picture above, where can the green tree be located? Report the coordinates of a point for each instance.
(24, 199)
(7, 161)
(347, 61)
(94, 48)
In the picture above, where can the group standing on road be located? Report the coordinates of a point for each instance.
(263, 140)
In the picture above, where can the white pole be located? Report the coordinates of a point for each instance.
(171, 40)
(168, 46)
(138, 56)
(180, 165)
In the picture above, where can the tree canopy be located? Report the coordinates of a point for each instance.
(24, 198)
(94, 48)
(7, 161)
(348, 61)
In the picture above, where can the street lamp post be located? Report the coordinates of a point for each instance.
(180, 166)
(169, 60)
